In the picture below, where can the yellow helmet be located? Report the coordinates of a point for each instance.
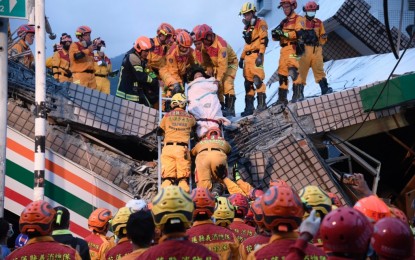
(247, 7)
(179, 100)
(317, 198)
(172, 204)
(224, 212)
(119, 221)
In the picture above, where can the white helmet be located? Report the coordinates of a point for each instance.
(136, 204)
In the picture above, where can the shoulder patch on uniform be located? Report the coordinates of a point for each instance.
(224, 54)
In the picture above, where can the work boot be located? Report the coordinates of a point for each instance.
(230, 106)
(249, 106)
(325, 89)
(282, 96)
(262, 105)
(296, 93)
(301, 92)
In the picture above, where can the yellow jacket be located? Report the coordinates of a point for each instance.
(222, 56)
(176, 65)
(102, 66)
(21, 47)
(85, 64)
(61, 66)
(259, 37)
(291, 25)
(157, 57)
(177, 126)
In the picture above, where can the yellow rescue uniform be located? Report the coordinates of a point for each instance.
(103, 67)
(61, 66)
(82, 68)
(19, 48)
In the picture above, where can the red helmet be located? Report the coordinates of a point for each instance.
(184, 39)
(346, 230)
(311, 6)
(258, 212)
(37, 217)
(82, 30)
(335, 199)
(99, 219)
(143, 44)
(194, 31)
(203, 31)
(241, 204)
(165, 29)
(255, 193)
(373, 208)
(292, 2)
(392, 239)
(204, 202)
(283, 209)
(25, 29)
(399, 214)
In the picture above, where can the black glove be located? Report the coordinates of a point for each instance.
(221, 171)
(176, 88)
(241, 63)
(259, 59)
(113, 73)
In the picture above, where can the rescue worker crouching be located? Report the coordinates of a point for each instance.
(314, 37)
(81, 56)
(176, 126)
(136, 82)
(103, 67)
(252, 58)
(60, 60)
(21, 51)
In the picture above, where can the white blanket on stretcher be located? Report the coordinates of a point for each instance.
(204, 104)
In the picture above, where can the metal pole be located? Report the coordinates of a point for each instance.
(4, 23)
(40, 98)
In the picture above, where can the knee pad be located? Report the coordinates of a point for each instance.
(257, 82)
(293, 72)
(248, 85)
(283, 79)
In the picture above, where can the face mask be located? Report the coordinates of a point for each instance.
(102, 49)
(311, 13)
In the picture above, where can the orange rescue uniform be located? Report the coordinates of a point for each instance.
(202, 58)
(43, 248)
(225, 64)
(20, 47)
(217, 239)
(61, 66)
(259, 37)
(99, 245)
(175, 156)
(157, 57)
(176, 65)
(314, 37)
(82, 69)
(103, 67)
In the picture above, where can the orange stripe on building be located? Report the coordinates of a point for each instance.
(67, 175)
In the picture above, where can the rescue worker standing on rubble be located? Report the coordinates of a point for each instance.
(103, 67)
(176, 126)
(217, 239)
(286, 34)
(60, 60)
(173, 213)
(135, 82)
(225, 64)
(81, 56)
(20, 51)
(314, 37)
(178, 59)
(255, 35)
(200, 55)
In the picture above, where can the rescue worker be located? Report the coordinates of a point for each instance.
(162, 43)
(81, 58)
(224, 212)
(217, 239)
(136, 83)
(392, 239)
(200, 55)
(262, 234)
(225, 65)
(36, 222)
(119, 228)
(373, 207)
(20, 51)
(286, 34)
(102, 67)
(241, 230)
(283, 212)
(49, 69)
(98, 242)
(60, 60)
(314, 37)
(140, 231)
(176, 127)
(62, 234)
(346, 234)
(173, 213)
(178, 59)
(255, 35)
(211, 159)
